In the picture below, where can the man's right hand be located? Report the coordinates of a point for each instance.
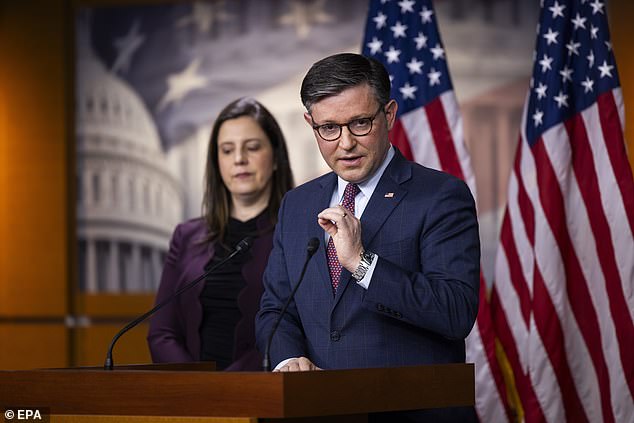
(301, 364)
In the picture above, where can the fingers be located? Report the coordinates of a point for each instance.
(301, 364)
(327, 226)
(305, 364)
(333, 218)
(334, 214)
(345, 230)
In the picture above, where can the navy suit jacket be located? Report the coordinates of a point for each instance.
(423, 296)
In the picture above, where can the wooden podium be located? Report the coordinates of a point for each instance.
(195, 393)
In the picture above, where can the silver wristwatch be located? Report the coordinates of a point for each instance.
(364, 265)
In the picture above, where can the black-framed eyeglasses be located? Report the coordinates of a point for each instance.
(358, 127)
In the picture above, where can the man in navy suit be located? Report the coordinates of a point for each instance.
(396, 280)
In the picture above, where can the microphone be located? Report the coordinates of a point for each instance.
(311, 249)
(240, 247)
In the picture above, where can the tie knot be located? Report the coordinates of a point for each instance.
(351, 191)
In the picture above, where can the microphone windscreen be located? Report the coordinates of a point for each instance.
(244, 244)
(313, 245)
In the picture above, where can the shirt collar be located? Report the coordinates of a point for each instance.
(367, 187)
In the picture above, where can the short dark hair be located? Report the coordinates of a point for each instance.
(334, 74)
(217, 200)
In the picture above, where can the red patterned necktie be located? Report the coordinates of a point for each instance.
(334, 266)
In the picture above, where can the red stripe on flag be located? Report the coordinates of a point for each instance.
(515, 269)
(584, 166)
(443, 138)
(576, 289)
(399, 139)
(543, 309)
(525, 205)
(487, 335)
(532, 408)
(546, 319)
(615, 144)
(552, 335)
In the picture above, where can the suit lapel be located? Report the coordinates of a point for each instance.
(322, 201)
(387, 195)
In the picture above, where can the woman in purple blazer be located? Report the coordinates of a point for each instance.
(247, 174)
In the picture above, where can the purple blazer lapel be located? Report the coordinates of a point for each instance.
(248, 299)
(195, 266)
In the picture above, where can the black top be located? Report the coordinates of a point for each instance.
(220, 294)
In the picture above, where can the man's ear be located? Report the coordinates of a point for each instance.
(308, 118)
(390, 113)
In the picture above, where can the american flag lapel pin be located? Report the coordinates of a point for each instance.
(389, 195)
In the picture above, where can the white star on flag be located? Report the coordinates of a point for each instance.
(537, 117)
(414, 65)
(425, 15)
(593, 32)
(590, 58)
(434, 77)
(561, 99)
(541, 91)
(380, 19)
(375, 45)
(546, 63)
(392, 55)
(408, 91)
(597, 7)
(551, 36)
(180, 84)
(605, 69)
(438, 52)
(406, 6)
(126, 47)
(204, 15)
(421, 41)
(566, 74)
(579, 22)
(303, 16)
(587, 84)
(573, 48)
(557, 9)
(399, 29)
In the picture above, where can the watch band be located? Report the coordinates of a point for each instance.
(364, 265)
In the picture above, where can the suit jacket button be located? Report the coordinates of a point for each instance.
(380, 307)
(335, 335)
(397, 314)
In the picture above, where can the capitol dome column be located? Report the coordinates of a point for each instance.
(135, 267)
(91, 266)
(114, 284)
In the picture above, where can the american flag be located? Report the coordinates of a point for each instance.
(563, 297)
(404, 37)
